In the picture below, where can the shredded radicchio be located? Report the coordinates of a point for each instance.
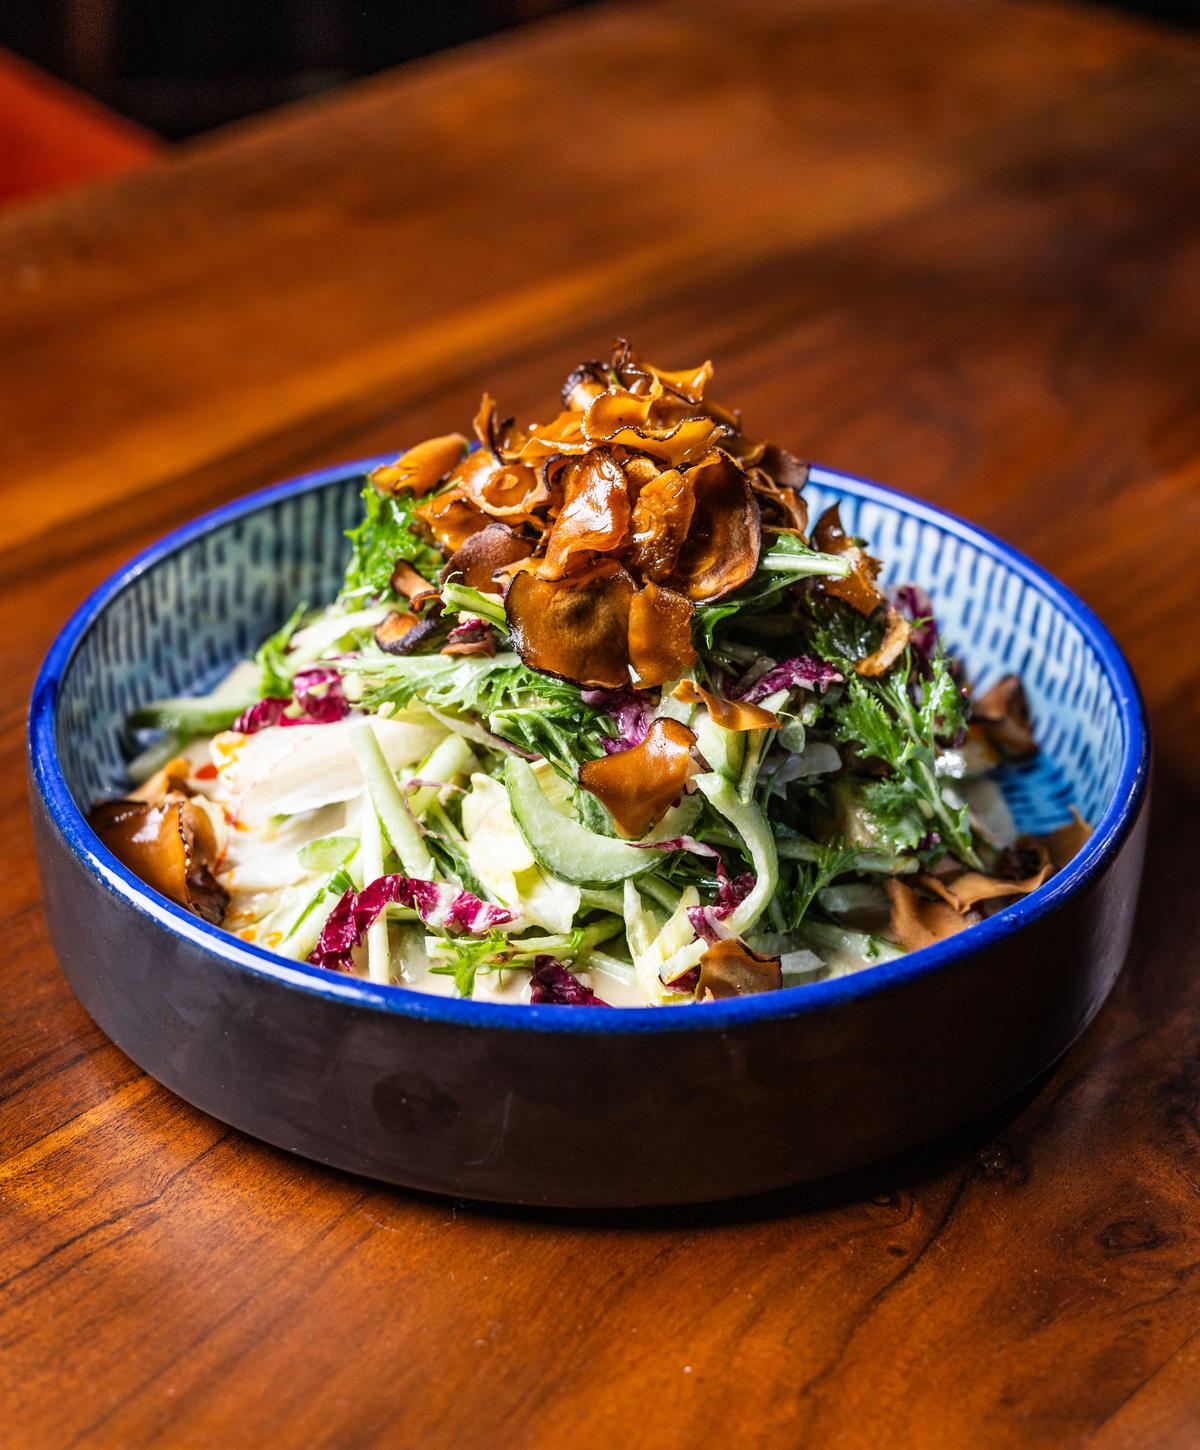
(447, 907)
(678, 843)
(914, 604)
(417, 783)
(552, 982)
(630, 711)
(806, 671)
(687, 983)
(708, 921)
(318, 695)
(260, 715)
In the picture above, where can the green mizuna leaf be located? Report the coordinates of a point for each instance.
(385, 535)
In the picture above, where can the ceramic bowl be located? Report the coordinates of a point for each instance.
(550, 1105)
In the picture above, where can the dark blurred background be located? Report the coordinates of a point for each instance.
(163, 70)
(182, 66)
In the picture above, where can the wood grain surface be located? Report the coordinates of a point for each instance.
(953, 246)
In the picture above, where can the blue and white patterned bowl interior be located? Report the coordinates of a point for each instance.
(181, 622)
(998, 623)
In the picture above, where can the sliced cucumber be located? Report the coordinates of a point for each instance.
(748, 820)
(563, 847)
(383, 792)
(725, 750)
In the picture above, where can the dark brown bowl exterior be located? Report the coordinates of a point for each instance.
(591, 1119)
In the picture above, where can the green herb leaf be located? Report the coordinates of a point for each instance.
(813, 876)
(883, 717)
(891, 808)
(385, 535)
(874, 724)
(536, 712)
(466, 957)
(275, 674)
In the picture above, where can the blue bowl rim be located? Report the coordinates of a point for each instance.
(1109, 832)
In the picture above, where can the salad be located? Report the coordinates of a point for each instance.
(598, 717)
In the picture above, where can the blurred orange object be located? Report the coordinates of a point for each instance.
(52, 136)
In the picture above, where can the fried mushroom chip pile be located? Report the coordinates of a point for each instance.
(604, 527)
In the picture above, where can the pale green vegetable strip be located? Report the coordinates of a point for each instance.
(371, 853)
(748, 820)
(446, 762)
(560, 845)
(725, 750)
(154, 757)
(756, 744)
(586, 938)
(327, 853)
(316, 640)
(666, 895)
(402, 831)
(612, 967)
(298, 944)
(826, 940)
(795, 848)
(302, 938)
(461, 599)
(777, 561)
(606, 899)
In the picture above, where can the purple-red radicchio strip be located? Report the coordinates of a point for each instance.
(318, 695)
(806, 671)
(447, 907)
(551, 982)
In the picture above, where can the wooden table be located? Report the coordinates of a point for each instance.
(955, 246)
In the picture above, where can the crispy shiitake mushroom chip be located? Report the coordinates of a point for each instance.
(896, 635)
(594, 517)
(576, 628)
(858, 588)
(720, 552)
(403, 634)
(170, 844)
(1003, 714)
(660, 635)
(451, 518)
(728, 714)
(422, 468)
(640, 785)
(478, 557)
(916, 921)
(659, 524)
(969, 888)
(730, 969)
